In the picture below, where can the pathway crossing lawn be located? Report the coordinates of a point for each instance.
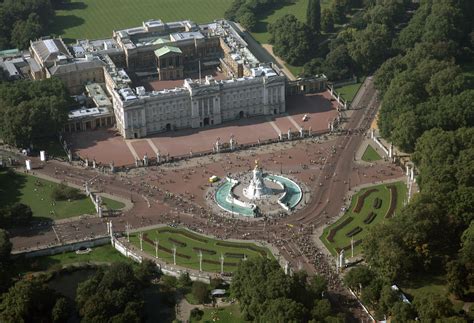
(228, 314)
(95, 19)
(36, 193)
(341, 239)
(187, 242)
(370, 154)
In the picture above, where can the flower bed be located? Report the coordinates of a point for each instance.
(263, 253)
(361, 199)
(370, 217)
(377, 203)
(353, 232)
(205, 251)
(393, 201)
(338, 227)
(177, 242)
(235, 255)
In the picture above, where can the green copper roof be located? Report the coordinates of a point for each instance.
(161, 41)
(167, 49)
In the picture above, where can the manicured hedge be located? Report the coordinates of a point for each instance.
(353, 232)
(263, 253)
(338, 227)
(206, 251)
(185, 233)
(370, 217)
(377, 203)
(177, 242)
(393, 201)
(361, 199)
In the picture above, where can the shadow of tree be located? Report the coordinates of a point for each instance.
(61, 23)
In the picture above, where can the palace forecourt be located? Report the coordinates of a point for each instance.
(173, 89)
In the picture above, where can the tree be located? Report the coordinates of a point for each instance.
(290, 39)
(200, 292)
(403, 312)
(248, 20)
(61, 310)
(146, 271)
(431, 306)
(456, 277)
(257, 280)
(370, 47)
(338, 9)
(360, 275)
(318, 286)
(5, 247)
(184, 280)
(321, 309)
(313, 16)
(282, 310)
(28, 301)
(32, 110)
(24, 31)
(5, 250)
(15, 215)
(111, 295)
(327, 21)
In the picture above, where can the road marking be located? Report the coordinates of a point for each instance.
(274, 126)
(132, 150)
(152, 145)
(57, 237)
(294, 123)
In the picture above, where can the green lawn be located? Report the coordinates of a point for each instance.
(112, 204)
(98, 18)
(36, 193)
(105, 253)
(340, 238)
(298, 8)
(348, 92)
(229, 314)
(370, 154)
(433, 284)
(164, 234)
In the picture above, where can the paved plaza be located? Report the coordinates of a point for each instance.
(105, 146)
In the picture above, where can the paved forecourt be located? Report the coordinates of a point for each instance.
(105, 146)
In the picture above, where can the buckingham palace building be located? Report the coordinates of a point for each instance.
(168, 76)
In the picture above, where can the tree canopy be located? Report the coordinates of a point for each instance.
(266, 294)
(111, 295)
(32, 110)
(290, 39)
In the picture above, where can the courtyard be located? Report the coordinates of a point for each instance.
(105, 146)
